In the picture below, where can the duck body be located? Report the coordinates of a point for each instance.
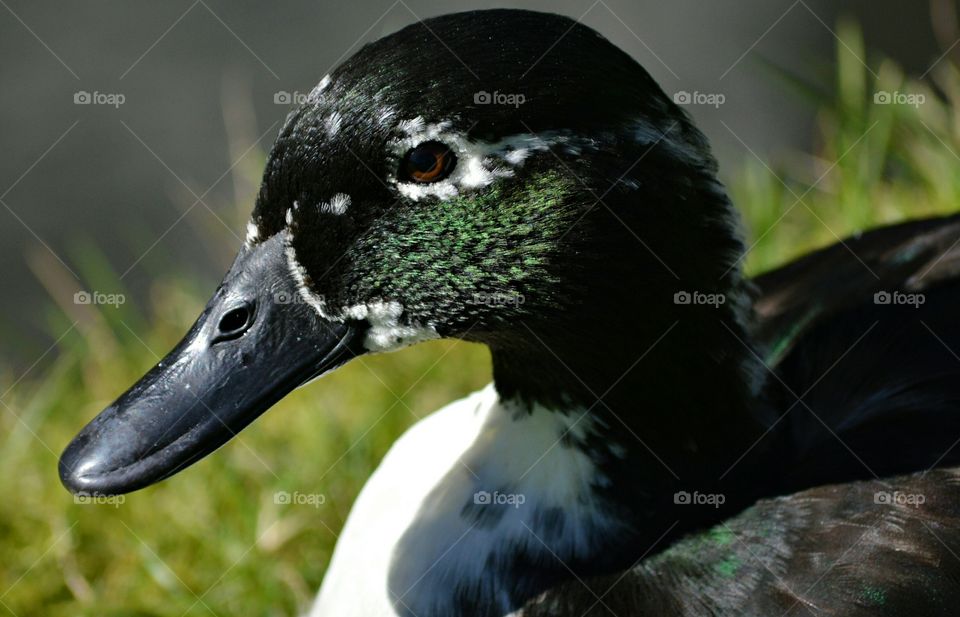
(886, 545)
(400, 204)
(818, 552)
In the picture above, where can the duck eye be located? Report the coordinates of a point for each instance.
(428, 162)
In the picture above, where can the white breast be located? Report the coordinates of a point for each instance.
(414, 534)
(356, 581)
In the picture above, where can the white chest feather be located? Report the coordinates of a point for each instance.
(455, 495)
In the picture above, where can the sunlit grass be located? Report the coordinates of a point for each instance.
(877, 163)
(212, 540)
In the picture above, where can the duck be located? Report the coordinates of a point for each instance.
(663, 435)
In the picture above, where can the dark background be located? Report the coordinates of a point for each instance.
(199, 79)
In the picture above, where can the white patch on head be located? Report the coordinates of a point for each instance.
(477, 175)
(288, 217)
(253, 232)
(332, 123)
(299, 274)
(407, 529)
(518, 156)
(386, 333)
(338, 204)
(386, 114)
(320, 87)
(478, 163)
(417, 126)
(314, 96)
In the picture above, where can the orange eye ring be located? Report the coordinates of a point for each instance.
(428, 162)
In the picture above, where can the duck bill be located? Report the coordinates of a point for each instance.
(255, 341)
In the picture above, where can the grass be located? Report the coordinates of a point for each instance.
(212, 540)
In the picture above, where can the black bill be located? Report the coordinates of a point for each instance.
(255, 341)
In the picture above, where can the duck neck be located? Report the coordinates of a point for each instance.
(671, 418)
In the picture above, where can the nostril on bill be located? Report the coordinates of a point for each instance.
(233, 323)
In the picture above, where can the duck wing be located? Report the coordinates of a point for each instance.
(871, 548)
(915, 256)
(862, 340)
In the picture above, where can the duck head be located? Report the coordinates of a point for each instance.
(506, 177)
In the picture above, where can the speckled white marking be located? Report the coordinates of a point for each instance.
(478, 163)
(299, 274)
(317, 91)
(386, 333)
(386, 114)
(332, 123)
(476, 173)
(338, 204)
(518, 156)
(324, 83)
(253, 233)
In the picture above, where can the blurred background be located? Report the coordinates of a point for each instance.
(134, 135)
